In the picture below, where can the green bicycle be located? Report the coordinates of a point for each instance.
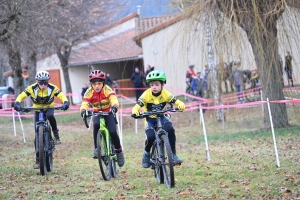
(107, 157)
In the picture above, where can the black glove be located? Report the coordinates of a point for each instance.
(114, 109)
(65, 106)
(17, 106)
(83, 113)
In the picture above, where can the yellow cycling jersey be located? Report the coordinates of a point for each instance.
(150, 102)
(42, 98)
(100, 101)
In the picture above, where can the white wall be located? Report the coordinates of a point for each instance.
(175, 47)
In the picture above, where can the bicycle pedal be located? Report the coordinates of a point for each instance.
(177, 165)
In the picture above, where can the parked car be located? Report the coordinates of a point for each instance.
(6, 90)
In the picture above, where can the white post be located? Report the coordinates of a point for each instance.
(273, 134)
(24, 135)
(14, 122)
(205, 136)
(121, 118)
(120, 132)
(261, 97)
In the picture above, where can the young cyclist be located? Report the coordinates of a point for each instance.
(156, 97)
(42, 95)
(102, 98)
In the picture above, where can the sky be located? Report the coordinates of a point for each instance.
(149, 8)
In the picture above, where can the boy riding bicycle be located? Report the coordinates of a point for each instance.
(42, 95)
(102, 98)
(156, 98)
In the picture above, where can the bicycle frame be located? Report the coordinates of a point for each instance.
(107, 136)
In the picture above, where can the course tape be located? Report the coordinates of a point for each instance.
(229, 101)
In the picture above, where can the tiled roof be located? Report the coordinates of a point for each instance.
(144, 24)
(115, 48)
(94, 33)
(148, 26)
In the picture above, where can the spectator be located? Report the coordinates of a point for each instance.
(197, 85)
(237, 75)
(115, 85)
(289, 68)
(84, 88)
(108, 81)
(190, 74)
(137, 79)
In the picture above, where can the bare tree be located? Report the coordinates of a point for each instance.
(259, 19)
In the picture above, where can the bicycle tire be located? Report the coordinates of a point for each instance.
(42, 156)
(167, 167)
(49, 155)
(158, 172)
(103, 156)
(113, 157)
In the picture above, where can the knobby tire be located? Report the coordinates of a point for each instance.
(156, 165)
(49, 154)
(167, 167)
(42, 156)
(103, 157)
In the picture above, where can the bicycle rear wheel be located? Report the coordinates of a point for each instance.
(156, 165)
(42, 152)
(49, 158)
(103, 156)
(113, 157)
(167, 166)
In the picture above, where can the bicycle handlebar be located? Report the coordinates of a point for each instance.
(101, 113)
(156, 112)
(24, 109)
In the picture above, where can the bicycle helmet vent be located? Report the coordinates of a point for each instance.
(42, 76)
(156, 75)
(97, 76)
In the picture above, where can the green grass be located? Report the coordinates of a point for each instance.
(242, 165)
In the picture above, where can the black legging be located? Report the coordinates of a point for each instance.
(51, 119)
(150, 134)
(111, 126)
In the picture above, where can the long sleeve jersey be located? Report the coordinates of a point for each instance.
(42, 98)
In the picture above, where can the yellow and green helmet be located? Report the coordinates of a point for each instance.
(156, 75)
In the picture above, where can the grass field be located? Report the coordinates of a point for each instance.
(242, 165)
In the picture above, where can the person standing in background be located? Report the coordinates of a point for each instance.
(289, 68)
(84, 88)
(137, 79)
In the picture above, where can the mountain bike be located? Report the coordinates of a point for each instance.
(44, 140)
(161, 156)
(107, 157)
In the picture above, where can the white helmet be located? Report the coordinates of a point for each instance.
(42, 76)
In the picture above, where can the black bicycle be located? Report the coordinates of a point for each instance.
(44, 140)
(107, 157)
(161, 156)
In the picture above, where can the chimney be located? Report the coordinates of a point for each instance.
(138, 10)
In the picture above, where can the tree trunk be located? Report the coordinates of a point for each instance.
(266, 57)
(64, 60)
(14, 57)
(31, 64)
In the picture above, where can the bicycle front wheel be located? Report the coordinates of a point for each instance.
(49, 154)
(167, 166)
(42, 152)
(103, 156)
(156, 164)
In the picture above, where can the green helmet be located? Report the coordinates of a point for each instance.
(156, 75)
